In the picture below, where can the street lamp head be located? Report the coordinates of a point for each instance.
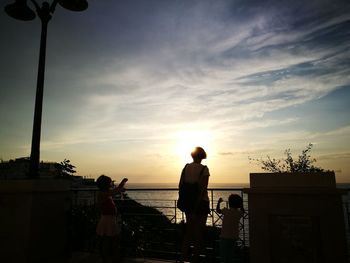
(20, 10)
(74, 5)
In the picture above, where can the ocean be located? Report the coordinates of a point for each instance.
(163, 197)
(166, 194)
(169, 192)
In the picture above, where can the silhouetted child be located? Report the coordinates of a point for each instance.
(107, 229)
(230, 227)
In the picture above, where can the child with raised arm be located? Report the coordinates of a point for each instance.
(107, 228)
(230, 226)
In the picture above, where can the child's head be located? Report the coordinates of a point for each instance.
(235, 201)
(103, 182)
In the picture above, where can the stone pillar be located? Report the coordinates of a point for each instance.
(33, 221)
(296, 218)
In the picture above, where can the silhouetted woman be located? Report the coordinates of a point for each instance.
(196, 218)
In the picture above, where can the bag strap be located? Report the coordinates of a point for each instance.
(201, 173)
(200, 180)
(182, 178)
(201, 187)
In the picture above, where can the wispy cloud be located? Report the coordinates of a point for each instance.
(229, 84)
(140, 72)
(335, 156)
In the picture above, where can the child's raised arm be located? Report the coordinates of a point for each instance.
(218, 209)
(119, 188)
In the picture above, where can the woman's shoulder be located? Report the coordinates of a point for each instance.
(205, 170)
(194, 169)
(197, 165)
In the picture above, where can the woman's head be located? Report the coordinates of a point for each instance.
(235, 201)
(198, 154)
(103, 182)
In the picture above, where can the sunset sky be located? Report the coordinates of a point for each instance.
(132, 86)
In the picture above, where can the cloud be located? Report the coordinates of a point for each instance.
(237, 68)
(137, 73)
(245, 153)
(226, 153)
(335, 156)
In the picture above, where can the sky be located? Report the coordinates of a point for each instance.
(132, 86)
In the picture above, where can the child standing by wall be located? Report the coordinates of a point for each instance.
(107, 229)
(230, 226)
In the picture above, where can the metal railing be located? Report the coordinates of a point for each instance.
(143, 227)
(160, 203)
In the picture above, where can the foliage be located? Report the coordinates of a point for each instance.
(303, 164)
(65, 168)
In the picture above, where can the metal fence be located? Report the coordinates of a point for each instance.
(141, 219)
(147, 235)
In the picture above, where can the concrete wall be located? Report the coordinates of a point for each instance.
(33, 221)
(295, 222)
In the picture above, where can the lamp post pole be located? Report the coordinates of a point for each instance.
(45, 16)
(19, 10)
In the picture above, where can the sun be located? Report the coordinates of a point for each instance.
(187, 140)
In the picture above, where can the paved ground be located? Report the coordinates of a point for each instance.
(84, 257)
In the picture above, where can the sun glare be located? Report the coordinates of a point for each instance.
(188, 140)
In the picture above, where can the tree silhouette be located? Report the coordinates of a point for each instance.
(65, 168)
(304, 163)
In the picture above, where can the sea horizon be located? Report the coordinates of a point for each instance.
(175, 185)
(211, 185)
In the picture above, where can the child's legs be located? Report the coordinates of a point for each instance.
(109, 248)
(227, 247)
(116, 253)
(105, 248)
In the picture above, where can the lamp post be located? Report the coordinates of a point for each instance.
(21, 11)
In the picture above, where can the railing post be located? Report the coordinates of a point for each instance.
(212, 207)
(243, 219)
(347, 215)
(175, 211)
